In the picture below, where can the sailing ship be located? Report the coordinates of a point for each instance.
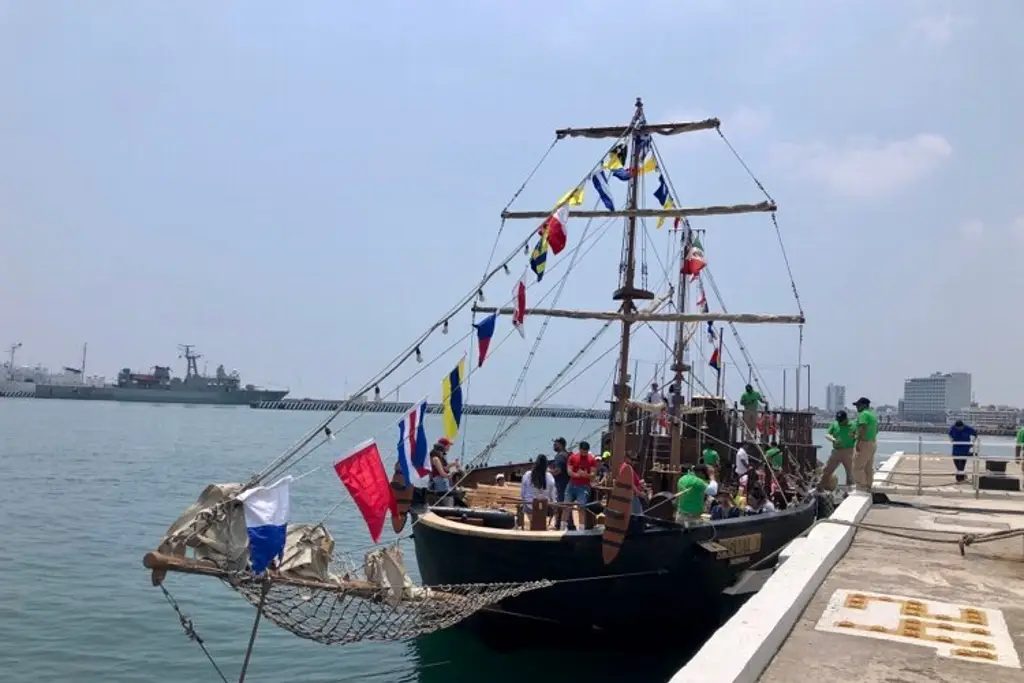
(646, 560)
(489, 558)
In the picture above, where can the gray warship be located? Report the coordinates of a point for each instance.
(159, 386)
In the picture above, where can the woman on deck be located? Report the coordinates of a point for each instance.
(539, 484)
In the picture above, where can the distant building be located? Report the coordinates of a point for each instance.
(987, 416)
(932, 398)
(835, 397)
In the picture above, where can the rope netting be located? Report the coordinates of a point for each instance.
(350, 613)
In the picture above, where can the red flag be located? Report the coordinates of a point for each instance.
(362, 473)
(519, 308)
(555, 228)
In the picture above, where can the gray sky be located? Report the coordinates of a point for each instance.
(300, 191)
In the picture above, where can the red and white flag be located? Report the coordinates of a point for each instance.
(555, 228)
(519, 308)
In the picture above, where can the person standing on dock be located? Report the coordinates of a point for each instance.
(751, 401)
(864, 450)
(963, 436)
(1018, 450)
(843, 435)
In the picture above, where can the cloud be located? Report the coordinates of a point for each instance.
(747, 121)
(933, 28)
(742, 121)
(1017, 228)
(865, 167)
(972, 229)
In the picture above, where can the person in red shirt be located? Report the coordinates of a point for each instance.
(639, 489)
(582, 466)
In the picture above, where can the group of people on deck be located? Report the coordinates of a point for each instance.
(854, 444)
(564, 478)
(569, 477)
(699, 493)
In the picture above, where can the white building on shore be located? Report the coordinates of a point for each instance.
(932, 398)
(987, 416)
(835, 398)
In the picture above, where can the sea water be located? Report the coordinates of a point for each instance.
(86, 489)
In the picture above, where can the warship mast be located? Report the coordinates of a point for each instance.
(191, 368)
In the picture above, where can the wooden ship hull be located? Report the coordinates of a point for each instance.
(663, 569)
(660, 576)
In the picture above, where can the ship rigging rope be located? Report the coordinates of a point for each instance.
(589, 243)
(559, 289)
(522, 378)
(499, 431)
(490, 259)
(707, 436)
(706, 271)
(782, 248)
(551, 390)
(410, 351)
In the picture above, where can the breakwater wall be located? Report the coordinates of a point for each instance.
(433, 408)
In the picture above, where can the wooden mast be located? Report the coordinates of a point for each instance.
(678, 366)
(627, 294)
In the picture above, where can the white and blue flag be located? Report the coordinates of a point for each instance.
(266, 517)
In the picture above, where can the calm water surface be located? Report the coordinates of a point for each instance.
(88, 488)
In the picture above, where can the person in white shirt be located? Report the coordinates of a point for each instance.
(712, 490)
(758, 503)
(742, 460)
(539, 483)
(655, 395)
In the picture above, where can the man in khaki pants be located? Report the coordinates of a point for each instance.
(843, 435)
(864, 452)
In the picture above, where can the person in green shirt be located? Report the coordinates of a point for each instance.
(864, 450)
(710, 456)
(843, 435)
(773, 456)
(1019, 448)
(692, 488)
(750, 400)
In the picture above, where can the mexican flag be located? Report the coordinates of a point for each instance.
(694, 261)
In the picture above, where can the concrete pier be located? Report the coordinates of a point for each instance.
(398, 407)
(882, 592)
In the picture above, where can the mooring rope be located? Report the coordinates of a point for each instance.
(190, 631)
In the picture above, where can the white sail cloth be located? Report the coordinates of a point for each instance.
(214, 527)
